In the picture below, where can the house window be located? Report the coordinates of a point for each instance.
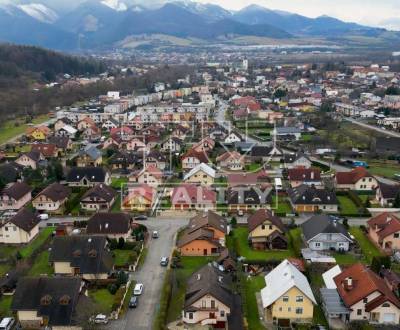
(190, 316)
(317, 244)
(359, 311)
(365, 300)
(280, 309)
(299, 310)
(386, 305)
(299, 299)
(222, 313)
(262, 227)
(396, 235)
(270, 227)
(289, 309)
(285, 298)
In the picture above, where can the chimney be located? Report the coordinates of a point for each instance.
(348, 283)
(198, 277)
(312, 175)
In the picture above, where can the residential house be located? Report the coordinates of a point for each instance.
(111, 225)
(266, 231)
(298, 160)
(92, 134)
(85, 123)
(310, 199)
(54, 303)
(32, 159)
(265, 154)
(123, 161)
(192, 158)
(87, 176)
(63, 144)
(306, 176)
(384, 231)
(21, 228)
(52, 199)
(39, 133)
(367, 296)
(110, 124)
(89, 157)
(15, 195)
(287, 133)
(99, 198)
(247, 198)
(209, 300)
(139, 198)
(386, 194)
(61, 122)
(186, 197)
(156, 159)
(207, 144)
(259, 178)
(48, 150)
(287, 297)
(83, 256)
(202, 174)
(322, 233)
(233, 137)
(357, 179)
(172, 144)
(151, 176)
(232, 161)
(66, 131)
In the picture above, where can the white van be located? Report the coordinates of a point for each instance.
(7, 323)
(138, 290)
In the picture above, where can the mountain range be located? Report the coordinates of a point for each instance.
(95, 24)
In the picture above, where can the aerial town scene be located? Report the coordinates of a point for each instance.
(197, 165)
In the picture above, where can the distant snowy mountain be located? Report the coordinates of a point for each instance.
(39, 12)
(115, 4)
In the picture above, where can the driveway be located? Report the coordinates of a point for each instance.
(151, 274)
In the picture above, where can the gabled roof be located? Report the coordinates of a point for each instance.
(55, 298)
(93, 174)
(209, 280)
(304, 174)
(262, 215)
(353, 176)
(16, 190)
(46, 149)
(88, 253)
(280, 280)
(108, 223)
(201, 234)
(387, 224)
(306, 195)
(230, 155)
(200, 155)
(91, 152)
(61, 142)
(235, 179)
(25, 219)
(190, 193)
(201, 167)
(389, 191)
(33, 154)
(101, 191)
(55, 192)
(323, 224)
(208, 219)
(364, 282)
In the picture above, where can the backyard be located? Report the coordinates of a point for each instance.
(368, 249)
(103, 299)
(44, 234)
(284, 206)
(347, 206)
(41, 265)
(251, 286)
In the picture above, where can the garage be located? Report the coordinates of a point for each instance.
(389, 317)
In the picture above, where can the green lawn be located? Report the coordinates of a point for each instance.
(103, 299)
(368, 248)
(181, 275)
(117, 183)
(117, 204)
(5, 305)
(122, 257)
(345, 258)
(13, 128)
(253, 167)
(240, 242)
(44, 234)
(283, 205)
(347, 206)
(252, 285)
(385, 170)
(41, 265)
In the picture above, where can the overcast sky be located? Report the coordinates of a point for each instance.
(385, 13)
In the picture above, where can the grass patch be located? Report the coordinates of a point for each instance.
(347, 206)
(122, 257)
(240, 241)
(345, 258)
(117, 204)
(43, 236)
(117, 183)
(128, 296)
(283, 205)
(368, 249)
(252, 285)
(143, 256)
(5, 306)
(103, 300)
(41, 265)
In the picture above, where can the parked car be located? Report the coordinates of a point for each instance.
(138, 290)
(43, 216)
(100, 319)
(7, 323)
(155, 234)
(133, 303)
(141, 218)
(164, 261)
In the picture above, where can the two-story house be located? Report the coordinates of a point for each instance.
(87, 176)
(310, 199)
(192, 158)
(21, 228)
(15, 196)
(356, 179)
(202, 174)
(384, 231)
(112, 225)
(52, 198)
(307, 176)
(231, 160)
(99, 198)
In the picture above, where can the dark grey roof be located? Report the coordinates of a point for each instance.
(100, 191)
(389, 191)
(261, 151)
(25, 219)
(209, 280)
(388, 144)
(311, 196)
(332, 301)
(108, 223)
(17, 190)
(123, 158)
(209, 219)
(60, 141)
(10, 171)
(33, 154)
(55, 298)
(92, 174)
(88, 253)
(247, 196)
(91, 152)
(322, 224)
(56, 192)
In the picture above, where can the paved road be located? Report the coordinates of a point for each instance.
(151, 274)
(374, 128)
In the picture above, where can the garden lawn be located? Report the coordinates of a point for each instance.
(368, 248)
(103, 299)
(122, 257)
(251, 286)
(385, 170)
(41, 265)
(240, 241)
(181, 275)
(283, 205)
(347, 206)
(117, 204)
(5, 306)
(117, 183)
(44, 234)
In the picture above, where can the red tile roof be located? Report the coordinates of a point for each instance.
(47, 150)
(353, 176)
(364, 282)
(192, 194)
(304, 174)
(387, 224)
(200, 155)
